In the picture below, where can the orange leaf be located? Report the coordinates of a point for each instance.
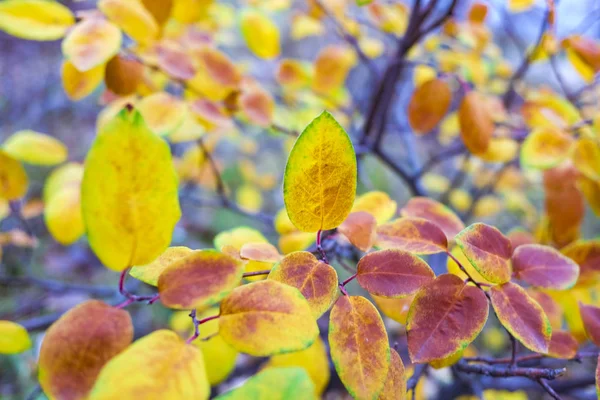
(428, 105)
(122, 75)
(476, 123)
(563, 345)
(445, 316)
(586, 253)
(199, 279)
(416, 235)
(395, 309)
(317, 281)
(392, 273)
(359, 228)
(522, 316)
(359, 346)
(78, 345)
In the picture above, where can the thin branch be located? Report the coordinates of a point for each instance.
(543, 383)
(410, 182)
(256, 273)
(505, 372)
(443, 155)
(57, 286)
(413, 381)
(320, 248)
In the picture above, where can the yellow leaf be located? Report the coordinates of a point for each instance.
(129, 193)
(91, 43)
(260, 33)
(320, 176)
(313, 359)
(149, 273)
(35, 148)
(267, 317)
(501, 149)
(295, 241)
(219, 355)
(162, 112)
(377, 204)
(158, 366)
(520, 5)
(63, 217)
(67, 175)
(15, 339)
(331, 68)
(237, 237)
(291, 383)
(13, 178)
(586, 158)
(545, 148)
(304, 26)
(35, 19)
(77, 84)
(132, 17)
(188, 11)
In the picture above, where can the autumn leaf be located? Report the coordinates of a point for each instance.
(92, 42)
(562, 345)
(122, 75)
(488, 250)
(415, 235)
(13, 178)
(429, 103)
(198, 279)
(132, 18)
(378, 204)
(319, 182)
(63, 217)
(13, 338)
(359, 346)
(431, 210)
(129, 179)
(545, 148)
(395, 383)
(476, 124)
(359, 228)
(586, 157)
(78, 345)
(522, 316)
(445, 316)
(163, 112)
(590, 316)
(35, 19)
(35, 148)
(392, 273)
(77, 84)
(274, 384)
(150, 273)
(545, 267)
(317, 281)
(159, 365)
(394, 308)
(260, 33)
(266, 318)
(586, 253)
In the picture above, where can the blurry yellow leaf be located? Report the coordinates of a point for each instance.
(188, 11)
(435, 183)
(62, 215)
(91, 43)
(460, 199)
(377, 204)
(35, 19)
(372, 47)
(13, 178)
(291, 383)
(160, 365)
(15, 339)
(237, 237)
(260, 33)
(291, 73)
(331, 68)
(35, 148)
(132, 18)
(313, 359)
(162, 112)
(319, 183)
(545, 148)
(422, 74)
(65, 176)
(249, 198)
(520, 5)
(586, 158)
(591, 191)
(304, 26)
(476, 124)
(584, 54)
(501, 149)
(129, 193)
(78, 84)
(428, 105)
(295, 241)
(216, 76)
(487, 206)
(160, 9)
(258, 106)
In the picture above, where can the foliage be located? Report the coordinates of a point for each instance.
(444, 265)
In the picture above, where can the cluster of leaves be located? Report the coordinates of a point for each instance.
(172, 84)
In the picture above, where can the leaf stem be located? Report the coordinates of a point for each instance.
(320, 247)
(256, 273)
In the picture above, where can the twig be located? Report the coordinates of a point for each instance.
(197, 322)
(440, 157)
(320, 248)
(132, 298)
(505, 372)
(57, 286)
(410, 182)
(543, 383)
(256, 273)
(413, 381)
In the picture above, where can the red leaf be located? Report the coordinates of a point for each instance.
(545, 267)
(522, 316)
(431, 210)
(359, 228)
(563, 345)
(444, 318)
(488, 250)
(392, 273)
(416, 235)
